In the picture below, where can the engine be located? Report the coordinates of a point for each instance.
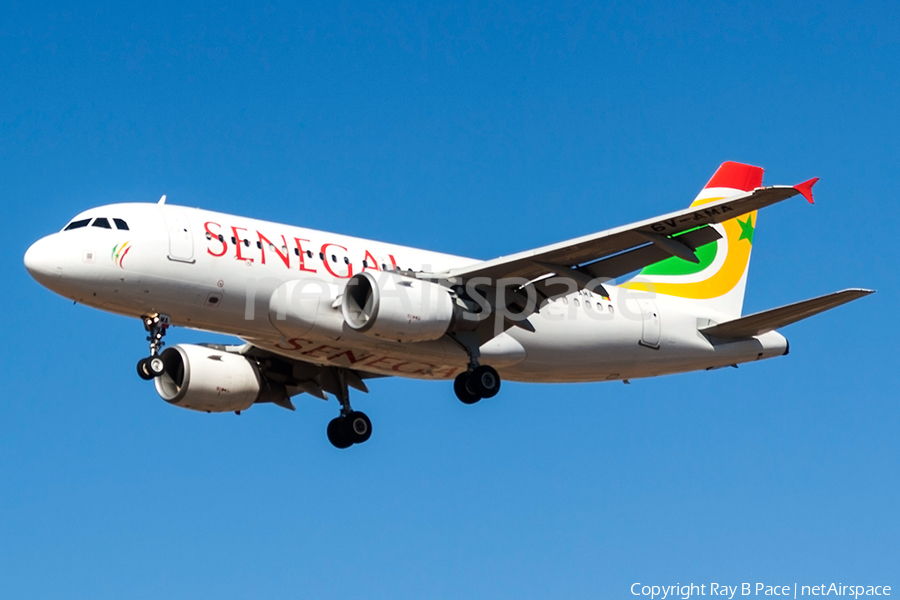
(397, 308)
(210, 380)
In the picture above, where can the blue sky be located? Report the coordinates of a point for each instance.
(473, 129)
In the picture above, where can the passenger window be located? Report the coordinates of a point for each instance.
(309, 254)
(120, 224)
(576, 302)
(77, 224)
(101, 222)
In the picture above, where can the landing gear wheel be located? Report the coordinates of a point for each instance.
(338, 433)
(484, 382)
(156, 366)
(462, 392)
(153, 366)
(143, 370)
(351, 427)
(359, 427)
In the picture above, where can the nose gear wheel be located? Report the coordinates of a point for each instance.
(153, 366)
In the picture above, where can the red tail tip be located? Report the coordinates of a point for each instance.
(805, 188)
(737, 176)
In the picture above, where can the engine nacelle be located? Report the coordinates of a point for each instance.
(210, 380)
(398, 308)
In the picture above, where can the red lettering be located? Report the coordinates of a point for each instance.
(285, 258)
(447, 373)
(325, 258)
(350, 356)
(302, 255)
(296, 344)
(408, 372)
(238, 242)
(370, 262)
(216, 237)
(393, 261)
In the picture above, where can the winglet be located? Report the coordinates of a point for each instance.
(805, 188)
(162, 200)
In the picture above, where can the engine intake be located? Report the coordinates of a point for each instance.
(210, 380)
(396, 307)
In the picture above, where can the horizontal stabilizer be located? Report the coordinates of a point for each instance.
(769, 320)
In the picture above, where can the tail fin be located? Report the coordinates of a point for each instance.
(720, 277)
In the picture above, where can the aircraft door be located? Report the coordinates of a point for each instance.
(650, 320)
(181, 242)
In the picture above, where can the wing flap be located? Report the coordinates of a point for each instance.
(775, 318)
(633, 260)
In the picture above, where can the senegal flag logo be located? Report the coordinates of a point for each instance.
(118, 253)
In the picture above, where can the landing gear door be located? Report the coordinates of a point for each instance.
(181, 242)
(650, 320)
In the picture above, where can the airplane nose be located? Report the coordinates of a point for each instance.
(44, 259)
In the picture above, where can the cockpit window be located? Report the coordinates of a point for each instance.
(77, 224)
(101, 222)
(120, 224)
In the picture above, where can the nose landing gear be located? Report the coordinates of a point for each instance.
(153, 366)
(150, 367)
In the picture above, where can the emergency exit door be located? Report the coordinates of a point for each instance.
(650, 323)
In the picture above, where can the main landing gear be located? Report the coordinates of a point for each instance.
(475, 384)
(351, 426)
(479, 381)
(153, 366)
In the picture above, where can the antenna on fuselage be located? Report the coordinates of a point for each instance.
(162, 199)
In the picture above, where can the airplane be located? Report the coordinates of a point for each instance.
(321, 313)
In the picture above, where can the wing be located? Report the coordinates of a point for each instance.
(294, 377)
(612, 253)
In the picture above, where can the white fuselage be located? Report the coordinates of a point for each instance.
(221, 273)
